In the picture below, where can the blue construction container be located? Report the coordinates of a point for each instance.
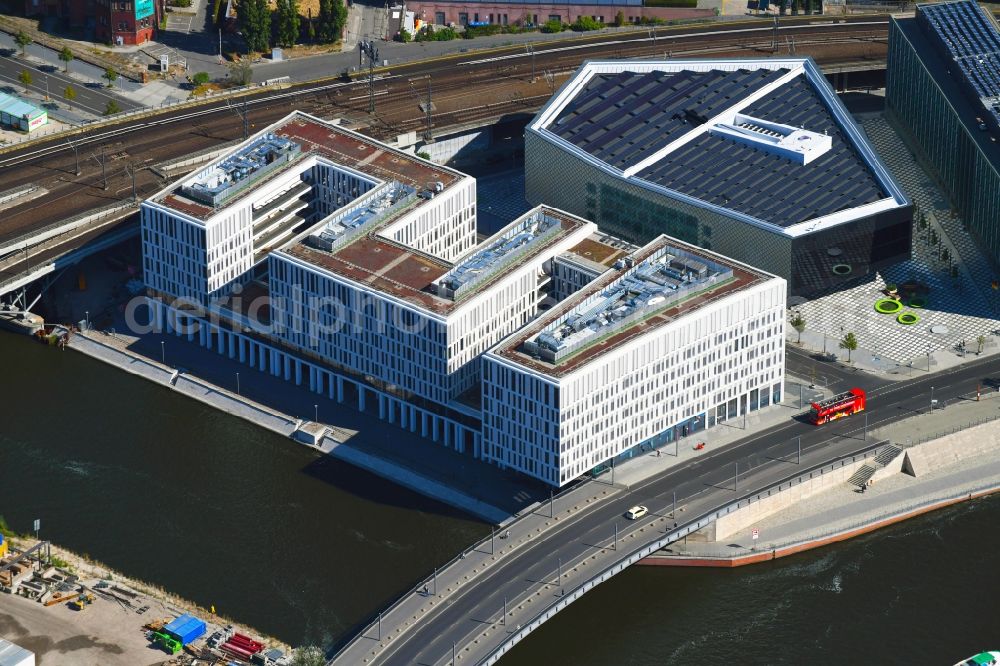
(186, 629)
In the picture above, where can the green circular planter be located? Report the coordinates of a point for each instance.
(841, 269)
(907, 318)
(918, 302)
(888, 306)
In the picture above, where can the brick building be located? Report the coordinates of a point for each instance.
(116, 22)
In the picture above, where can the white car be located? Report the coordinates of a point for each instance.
(636, 512)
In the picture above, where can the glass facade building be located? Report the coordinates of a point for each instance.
(685, 158)
(947, 126)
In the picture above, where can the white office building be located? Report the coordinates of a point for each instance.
(673, 340)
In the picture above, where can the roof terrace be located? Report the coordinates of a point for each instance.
(419, 278)
(653, 286)
(313, 138)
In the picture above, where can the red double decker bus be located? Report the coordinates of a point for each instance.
(838, 406)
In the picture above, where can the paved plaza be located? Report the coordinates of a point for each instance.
(961, 304)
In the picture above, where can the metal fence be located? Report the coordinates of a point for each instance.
(900, 510)
(426, 581)
(682, 531)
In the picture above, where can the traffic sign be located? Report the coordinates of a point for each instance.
(755, 533)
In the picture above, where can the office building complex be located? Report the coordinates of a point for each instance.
(672, 340)
(529, 12)
(318, 255)
(754, 159)
(943, 91)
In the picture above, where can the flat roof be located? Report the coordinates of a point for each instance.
(601, 249)
(661, 124)
(512, 349)
(967, 108)
(338, 145)
(411, 275)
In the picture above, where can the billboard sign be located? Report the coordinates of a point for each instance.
(143, 8)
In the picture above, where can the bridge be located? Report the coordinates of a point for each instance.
(483, 602)
(68, 196)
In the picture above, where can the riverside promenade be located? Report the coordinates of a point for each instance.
(961, 471)
(362, 440)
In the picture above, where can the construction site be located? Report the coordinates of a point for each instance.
(65, 610)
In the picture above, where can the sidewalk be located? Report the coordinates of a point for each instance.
(114, 350)
(652, 463)
(842, 512)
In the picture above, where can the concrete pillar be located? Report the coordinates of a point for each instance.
(361, 398)
(381, 407)
(288, 368)
(242, 347)
(312, 379)
(404, 412)
(447, 434)
(477, 445)
(413, 418)
(201, 336)
(460, 438)
(230, 339)
(252, 353)
(262, 353)
(298, 373)
(157, 309)
(435, 420)
(392, 410)
(423, 424)
(340, 389)
(222, 341)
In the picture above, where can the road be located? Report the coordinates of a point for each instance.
(89, 97)
(501, 80)
(763, 458)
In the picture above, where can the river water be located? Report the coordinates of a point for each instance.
(303, 548)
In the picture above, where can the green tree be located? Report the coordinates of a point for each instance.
(332, 17)
(254, 17)
(850, 343)
(22, 40)
(309, 656)
(405, 36)
(554, 25)
(112, 108)
(799, 324)
(66, 56)
(25, 78)
(69, 93)
(240, 72)
(620, 18)
(288, 22)
(111, 75)
(980, 343)
(200, 78)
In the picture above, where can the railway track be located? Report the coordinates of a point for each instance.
(501, 84)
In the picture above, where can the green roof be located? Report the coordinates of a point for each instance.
(983, 658)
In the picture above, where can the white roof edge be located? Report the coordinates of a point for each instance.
(798, 66)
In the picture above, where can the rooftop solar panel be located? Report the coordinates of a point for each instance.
(768, 186)
(620, 118)
(966, 35)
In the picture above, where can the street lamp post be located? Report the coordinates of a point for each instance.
(316, 412)
(932, 397)
(86, 318)
(163, 353)
(238, 384)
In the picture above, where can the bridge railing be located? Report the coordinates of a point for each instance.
(372, 624)
(642, 552)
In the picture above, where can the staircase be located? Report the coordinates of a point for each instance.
(883, 458)
(862, 476)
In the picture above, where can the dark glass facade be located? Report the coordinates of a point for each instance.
(935, 115)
